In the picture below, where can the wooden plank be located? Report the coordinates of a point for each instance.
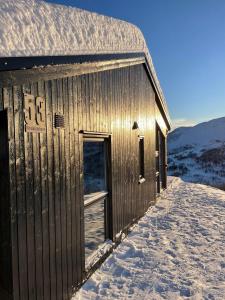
(98, 113)
(94, 102)
(68, 140)
(38, 208)
(79, 199)
(132, 143)
(8, 98)
(58, 228)
(115, 143)
(62, 189)
(128, 127)
(1, 99)
(88, 93)
(121, 154)
(44, 203)
(51, 193)
(5, 209)
(28, 147)
(72, 101)
(77, 126)
(21, 190)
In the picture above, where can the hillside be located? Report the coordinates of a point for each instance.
(197, 154)
(176, 251)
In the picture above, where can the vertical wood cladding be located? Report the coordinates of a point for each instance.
(46, 172)
(5, 237)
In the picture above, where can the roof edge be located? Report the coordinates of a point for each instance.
(33, 62)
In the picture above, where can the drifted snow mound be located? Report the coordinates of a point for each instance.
(37, 28)
(175, 252)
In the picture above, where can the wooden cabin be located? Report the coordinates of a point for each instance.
(82, 156)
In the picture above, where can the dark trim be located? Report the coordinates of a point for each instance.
(95, 199)
(46, 73)
(94, 134)
(158, 99)
(33, 62)
(29, 62)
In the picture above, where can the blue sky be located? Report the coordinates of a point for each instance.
(186, 39)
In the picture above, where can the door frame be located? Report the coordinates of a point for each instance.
(106, 138)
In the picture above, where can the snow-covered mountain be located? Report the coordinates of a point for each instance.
(197, 154)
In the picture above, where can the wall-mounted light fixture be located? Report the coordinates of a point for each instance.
(135, 125)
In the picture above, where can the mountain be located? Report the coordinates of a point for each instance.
(197, 154)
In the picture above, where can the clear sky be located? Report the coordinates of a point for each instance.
(186, 39)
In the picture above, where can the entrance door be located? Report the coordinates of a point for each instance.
(96, 192)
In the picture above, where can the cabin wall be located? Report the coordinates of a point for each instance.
(46, 172)
(5, 238)
(162, 135)
(160, 120)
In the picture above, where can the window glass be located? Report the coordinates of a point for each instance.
(141, 158)
(94, 167)
(95, 193)
(94, 226)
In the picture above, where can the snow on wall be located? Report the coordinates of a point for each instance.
(37, 28)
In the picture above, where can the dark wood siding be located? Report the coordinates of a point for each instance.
(46, 170)
(5, 234)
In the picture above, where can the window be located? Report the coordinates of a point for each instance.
(94, 166)
(95, 157)
(141, 160)
(160, 160)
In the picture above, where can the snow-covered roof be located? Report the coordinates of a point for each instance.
(37, 28)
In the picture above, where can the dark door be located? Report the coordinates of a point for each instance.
(5, 236)
(96, 193)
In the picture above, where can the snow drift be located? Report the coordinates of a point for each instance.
(176, 251)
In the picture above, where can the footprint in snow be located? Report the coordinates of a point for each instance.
(171, 253)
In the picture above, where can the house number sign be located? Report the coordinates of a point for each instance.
(35, 115)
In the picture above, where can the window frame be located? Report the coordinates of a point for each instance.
(101, 193)
(141, 158)
(160, 159)
(89, 136)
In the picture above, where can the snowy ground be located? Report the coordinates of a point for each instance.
(176, 251)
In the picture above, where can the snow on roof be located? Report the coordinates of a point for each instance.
(37, 28)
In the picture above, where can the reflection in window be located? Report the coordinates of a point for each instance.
(95, 193)
(94, 226)
(160, 160)
(141, 158)
(94, 167)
